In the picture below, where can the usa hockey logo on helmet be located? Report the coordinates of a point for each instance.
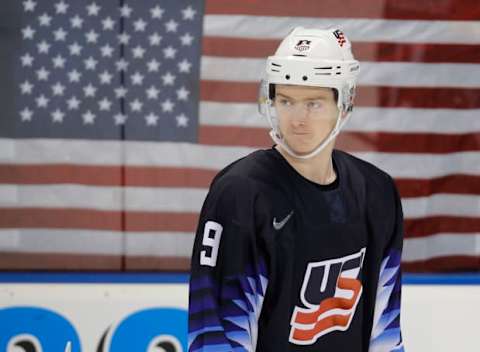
(330, 294)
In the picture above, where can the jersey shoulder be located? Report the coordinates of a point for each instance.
(368, 171)
(250, 172)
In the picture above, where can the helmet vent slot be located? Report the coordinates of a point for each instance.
(299, 55)
(277, 65)
(273, 70)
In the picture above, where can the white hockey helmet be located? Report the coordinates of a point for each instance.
(311, 57)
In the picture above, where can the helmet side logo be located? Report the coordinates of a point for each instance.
(340, 37)
(303, 45)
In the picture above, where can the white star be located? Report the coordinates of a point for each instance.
(171, 26)
(152, 92)
(136, 105)
(73, 103)
(88, 118)
(138, 52)
(124, 38)
(58, 61)
(90, 63)
(44, 20)
(104, 104)
(140, 25)
(121, 64)
(106, 50)
(93, 9)
(137, 78)
(184, 66)
(105, 77)
(57, 116)
(188, 13)
(76, 22)
(151, 119)
(29, 5)
(61, 7)
(92, 36)
(60, 34)
(108, 24)
(43, 74)
(26, 87)
(120, 92)
(43, 47)
(167, 106)
(168, 79)
(89, 90)
(182, 120)
(125, 11)
(58, 89)
(157, 12)
(75, 49)
(74, 76)
(26, 114)
(28, 32)
(155, 39)
(27, 60)
(120, 119)
(169, 52)
(186, 39)
(153, 65)
(182, 93)
(42, 101)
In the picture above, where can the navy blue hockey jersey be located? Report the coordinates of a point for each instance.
(281, 263)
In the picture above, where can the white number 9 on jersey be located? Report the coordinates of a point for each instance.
(211, 239)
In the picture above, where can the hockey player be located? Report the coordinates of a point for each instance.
(298, 247)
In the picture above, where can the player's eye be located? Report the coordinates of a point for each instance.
(314, 104)
(283, 102)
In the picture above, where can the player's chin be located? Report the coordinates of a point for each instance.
(301, 144)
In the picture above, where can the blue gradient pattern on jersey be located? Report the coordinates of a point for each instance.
(224, 316)
(386, 334)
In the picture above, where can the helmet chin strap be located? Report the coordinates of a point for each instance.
(281, 141)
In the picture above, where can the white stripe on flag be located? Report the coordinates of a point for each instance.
(441, 204)
(159, 244)
(103, 198)
(442, 244)
(386, 74)
(357, 30)
(104, 153)
(363, 119)
(61, 241)
(191, 199)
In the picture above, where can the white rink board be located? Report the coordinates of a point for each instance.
(440, 318)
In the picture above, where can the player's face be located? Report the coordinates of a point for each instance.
(306, 115)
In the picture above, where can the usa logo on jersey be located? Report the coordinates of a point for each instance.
(330, 293)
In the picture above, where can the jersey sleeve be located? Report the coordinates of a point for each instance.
(228, 272)
(386, 331)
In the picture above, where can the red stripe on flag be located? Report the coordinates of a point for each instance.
(382, 9)
(443, 264)
(98, 175)
(351, 141)
(402, 97)
(55, 218)
(392, 52)
(195, 178)
(58, 261)
(427, 226)
(88, 219)
(461, 184)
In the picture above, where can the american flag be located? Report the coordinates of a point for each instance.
(116, 115)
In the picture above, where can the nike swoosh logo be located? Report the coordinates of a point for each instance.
(279, 225)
